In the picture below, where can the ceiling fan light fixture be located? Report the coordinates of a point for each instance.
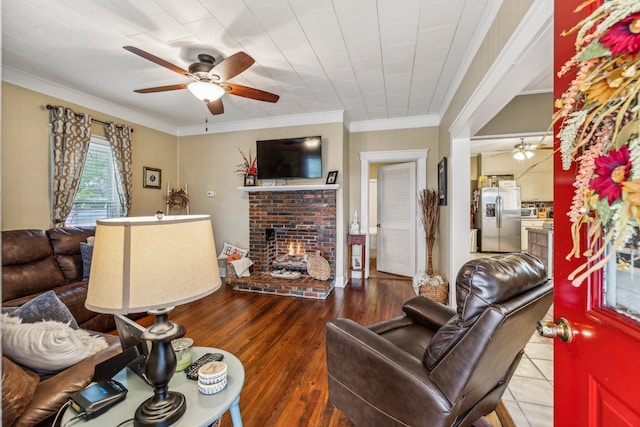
(206, 92)
(528, 154)
(519, 155)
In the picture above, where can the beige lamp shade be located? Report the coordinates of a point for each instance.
(144, 263)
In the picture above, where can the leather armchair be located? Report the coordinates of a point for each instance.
(435, 366)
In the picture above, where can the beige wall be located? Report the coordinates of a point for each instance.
(26, 166)
(399, 139)
(508, 18)
(208, 162)
(524, 114)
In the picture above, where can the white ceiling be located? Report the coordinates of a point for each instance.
(370, 60)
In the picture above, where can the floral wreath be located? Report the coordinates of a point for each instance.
(177, 198)
(600, 132)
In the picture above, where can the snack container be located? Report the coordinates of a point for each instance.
(212, 388)
(212, 377)
(212, 372)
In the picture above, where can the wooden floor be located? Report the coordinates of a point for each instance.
(281, 342)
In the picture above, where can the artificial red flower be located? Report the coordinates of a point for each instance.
(624, 36)
(612, 171)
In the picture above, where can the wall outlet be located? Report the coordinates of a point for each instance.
(211, 193)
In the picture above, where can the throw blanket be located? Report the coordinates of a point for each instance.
(241, 266)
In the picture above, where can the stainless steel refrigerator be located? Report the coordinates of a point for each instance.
(497, 218)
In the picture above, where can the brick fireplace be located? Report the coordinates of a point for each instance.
(303, 217)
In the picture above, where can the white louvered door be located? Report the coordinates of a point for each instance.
(396, 251)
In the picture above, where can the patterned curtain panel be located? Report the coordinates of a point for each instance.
(120, 139)
(71, 134)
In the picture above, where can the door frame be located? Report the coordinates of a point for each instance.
(418, 156)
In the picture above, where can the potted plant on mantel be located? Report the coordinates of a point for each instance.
(248, 167)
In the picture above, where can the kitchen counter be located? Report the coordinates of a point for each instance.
(531, 222)
(540, 245)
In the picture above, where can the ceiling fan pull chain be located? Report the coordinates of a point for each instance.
(206, 123)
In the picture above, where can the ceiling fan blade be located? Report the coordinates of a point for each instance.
(232, 66)
(157, 60)
(216, 107)
(162, 88)
(249, 92)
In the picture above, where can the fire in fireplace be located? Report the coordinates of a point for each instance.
(295, 259)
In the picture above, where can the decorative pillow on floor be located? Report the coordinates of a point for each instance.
(45, 307)
(47, 347)
(228, 249)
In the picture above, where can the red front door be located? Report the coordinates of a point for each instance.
(597, 374)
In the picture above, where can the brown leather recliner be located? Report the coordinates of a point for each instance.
(436, 366)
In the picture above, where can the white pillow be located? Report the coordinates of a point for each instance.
(228, 249)
(47, 347)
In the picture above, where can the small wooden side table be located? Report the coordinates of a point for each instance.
(202, 409)
(357, 239)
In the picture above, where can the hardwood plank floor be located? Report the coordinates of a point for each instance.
(281, 343)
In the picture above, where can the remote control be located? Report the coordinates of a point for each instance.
(192, 370)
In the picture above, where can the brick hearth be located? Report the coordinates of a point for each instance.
(305, 286)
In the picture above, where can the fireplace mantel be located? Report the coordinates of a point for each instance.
(290, 187)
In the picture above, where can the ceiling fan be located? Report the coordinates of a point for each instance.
(210, 79)
(524, 150)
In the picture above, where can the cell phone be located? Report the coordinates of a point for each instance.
(97, 398)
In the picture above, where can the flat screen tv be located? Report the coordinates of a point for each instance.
(290, 158)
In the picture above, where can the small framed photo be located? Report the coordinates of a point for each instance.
(442, 182)
(249, 180)
(332, 177)
(152, 177)
(356, 262)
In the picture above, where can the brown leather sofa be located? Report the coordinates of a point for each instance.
(437, 366)
(34, 262)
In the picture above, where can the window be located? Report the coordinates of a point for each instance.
(97, 196)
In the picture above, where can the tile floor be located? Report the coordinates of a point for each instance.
(529, 397)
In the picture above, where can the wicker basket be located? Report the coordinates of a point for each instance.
(438, 292)
(229, 272)
(318, 267)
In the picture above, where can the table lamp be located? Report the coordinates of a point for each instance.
(153, 264)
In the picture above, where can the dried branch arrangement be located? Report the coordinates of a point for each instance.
(428, 200)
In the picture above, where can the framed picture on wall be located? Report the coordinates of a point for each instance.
(332, 177)
(152, 177)
(249, 180)
(442, 182)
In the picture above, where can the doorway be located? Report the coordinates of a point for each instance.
(397, 156)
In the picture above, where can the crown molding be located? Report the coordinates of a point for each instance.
(38, 84)
(47, 87)
(265, 123)
(392, 124)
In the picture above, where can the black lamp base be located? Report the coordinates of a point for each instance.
(161, 413)
(165, 407)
